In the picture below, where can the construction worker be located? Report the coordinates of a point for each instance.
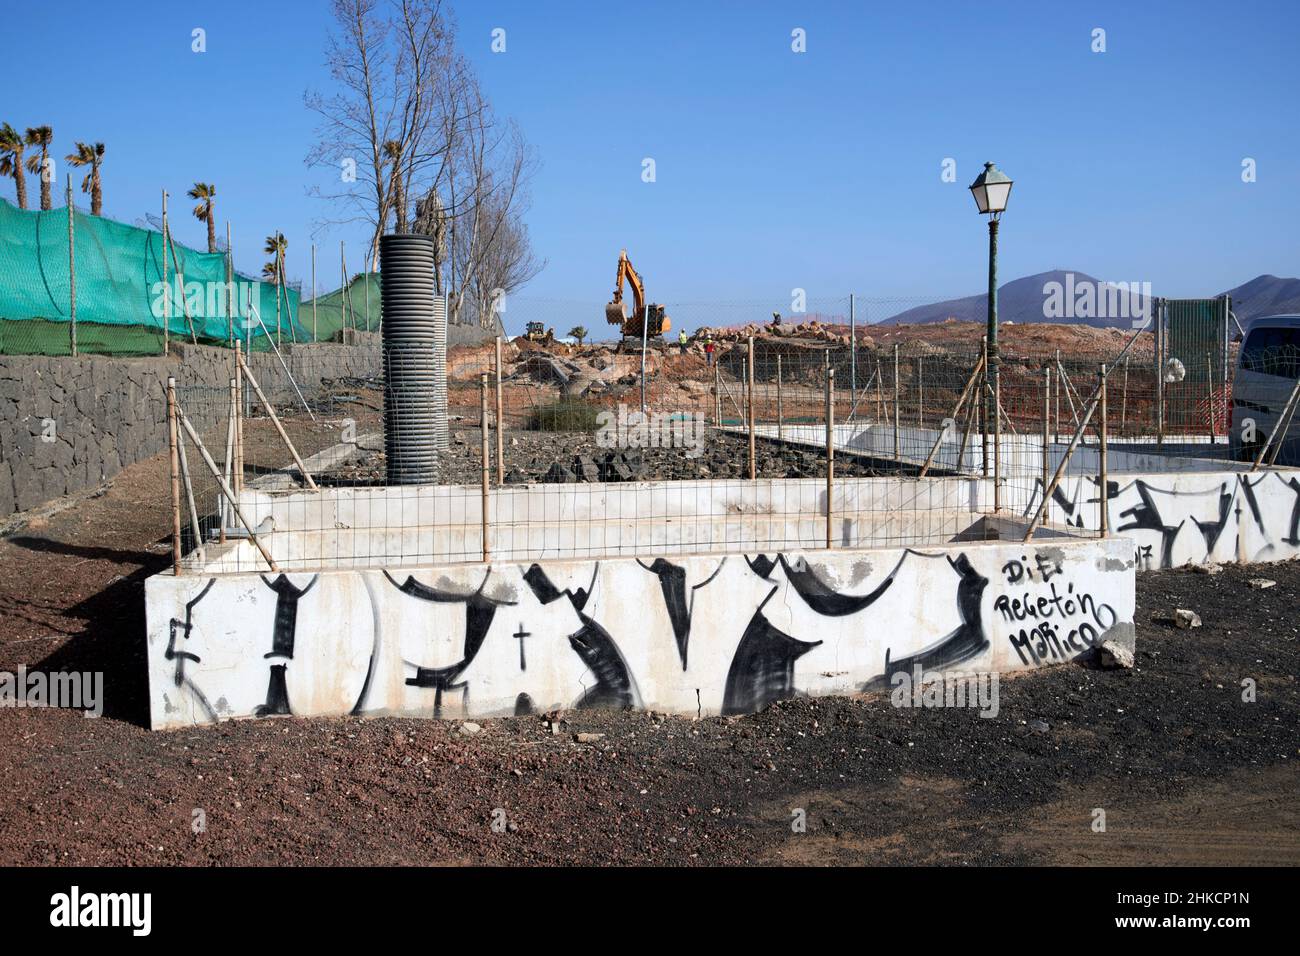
(681, 341)
(708, 349)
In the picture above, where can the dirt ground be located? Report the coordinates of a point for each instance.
(1185, 770)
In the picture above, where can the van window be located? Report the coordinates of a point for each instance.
(1272, 351)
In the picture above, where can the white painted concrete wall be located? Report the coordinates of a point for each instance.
(700, 634)
(1191, 518)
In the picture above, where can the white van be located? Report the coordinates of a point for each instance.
(1268, 365)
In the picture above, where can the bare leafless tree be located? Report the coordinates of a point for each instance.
(387, 58)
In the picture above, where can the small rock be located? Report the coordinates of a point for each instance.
(1260, 584)
(1039, 726)
(1184, 618)
(1114, 654)
(588, 738)
(469, 728)
(1206, 568)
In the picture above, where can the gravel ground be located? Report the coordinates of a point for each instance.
(531, 456)
(1185, 770)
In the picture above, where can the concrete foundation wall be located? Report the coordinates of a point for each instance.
(69, 424)
(702, 634)
(1191, 518)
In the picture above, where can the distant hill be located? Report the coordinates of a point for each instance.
(1265, 295)
(1053, 297)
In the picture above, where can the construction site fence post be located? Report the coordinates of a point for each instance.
(72, 272)
(830, 455)
(1103, 496)
(501, 441)
(994, 359)
(167, 289)
(780, 407)
(753, 451)
(173, 446)
(487, 469)
(1047, 426)
(898, 456)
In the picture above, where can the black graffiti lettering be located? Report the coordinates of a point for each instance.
(1022, 643)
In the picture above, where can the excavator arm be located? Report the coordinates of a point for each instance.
(631, 324)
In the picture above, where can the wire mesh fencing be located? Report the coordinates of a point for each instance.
(728, 443)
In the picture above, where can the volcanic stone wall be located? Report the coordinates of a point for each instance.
(69, 424)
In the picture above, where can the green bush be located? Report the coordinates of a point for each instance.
(567, 415)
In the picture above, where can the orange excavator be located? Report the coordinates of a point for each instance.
(658, 323)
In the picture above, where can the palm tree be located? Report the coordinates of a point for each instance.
(11, 161)
(92, 156)
(578, 332)
(276, 245)
(41, 137)
(205, 193)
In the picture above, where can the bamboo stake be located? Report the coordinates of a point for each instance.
(315, 337)
(1123, 405)
(72, 271)
(230, 294)
(228, 469)
(972, 414)
(780, 407)
(275, 420)
(1056, 429)
(1104, 515)
(830, 455)
(1047, 424)
(717, 397)
(167, 289)
(225, 489)
(898, 458)
(189, 497)
(753, 452)
(994, 359)
(180, 281)
(501, 442)
(238, 484)
(173, 443)
(1279, 430)
(965, 393)
(984, 409)
(284, 365)
(483, 435)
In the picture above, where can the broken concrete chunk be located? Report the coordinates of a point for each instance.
(469, 728)
(1260, 584)
(1115, 654)
(1184, 618)
(588, 738)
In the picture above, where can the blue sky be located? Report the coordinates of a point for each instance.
(775, 170)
